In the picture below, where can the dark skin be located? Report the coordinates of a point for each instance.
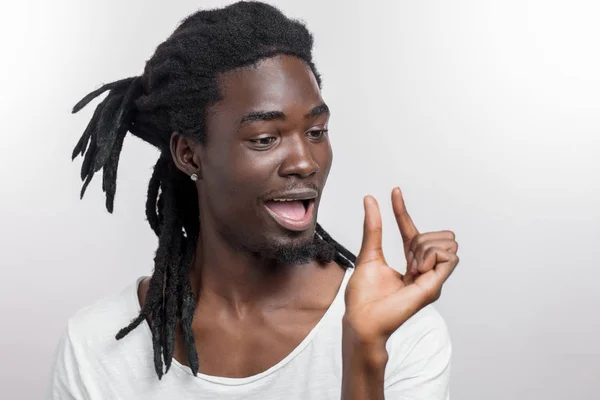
(252, 310)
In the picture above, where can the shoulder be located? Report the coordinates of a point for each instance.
(420, 349)
(98, 323)
(87, 348)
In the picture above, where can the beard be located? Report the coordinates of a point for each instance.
(316, 249)
(277, 253)
(290, 254)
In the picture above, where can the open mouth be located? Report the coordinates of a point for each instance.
(294, 215)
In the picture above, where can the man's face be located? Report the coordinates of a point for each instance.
(265, 143)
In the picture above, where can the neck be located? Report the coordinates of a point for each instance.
(241, 280)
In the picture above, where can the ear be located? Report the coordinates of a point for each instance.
(185, 155)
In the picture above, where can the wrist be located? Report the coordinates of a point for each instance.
(362, 350)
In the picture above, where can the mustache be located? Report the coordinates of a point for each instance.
(291, 187)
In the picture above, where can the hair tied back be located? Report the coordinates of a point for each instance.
(102, 140)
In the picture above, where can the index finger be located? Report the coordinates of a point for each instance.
(408, 230)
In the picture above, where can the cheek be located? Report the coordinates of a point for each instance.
(324, 157)
(254, 169)
(250, 173)
(237, 180)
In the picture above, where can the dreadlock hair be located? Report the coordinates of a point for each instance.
(178, 80)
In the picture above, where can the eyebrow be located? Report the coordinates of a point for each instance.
(273, 115)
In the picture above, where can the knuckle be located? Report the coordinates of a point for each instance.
(427, 252)
(417, 241)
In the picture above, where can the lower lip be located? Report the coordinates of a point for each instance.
(297, 225)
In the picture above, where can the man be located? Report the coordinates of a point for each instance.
(250, 297)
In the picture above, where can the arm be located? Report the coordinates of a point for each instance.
(363, 366)
(414, 365)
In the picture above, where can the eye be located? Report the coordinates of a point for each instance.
(318, 133)
(263, 142)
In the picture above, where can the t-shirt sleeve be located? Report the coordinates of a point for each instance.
(66, 380)
(419, 359)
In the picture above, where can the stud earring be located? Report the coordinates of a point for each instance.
(194, 177)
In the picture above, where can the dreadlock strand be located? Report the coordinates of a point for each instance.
(87, 169)
(172, 282)
(153, 297)
(92, 95)
(154, 294)
(109, 173)
(87, 176)
(171, 306)
(152, 197)
(187, 305)
(88, 158)
(108, 127)
(340, 249)
(109, 181)
(166, 258)
(325, 252)
(154, 287)
(157, 328)
(160, 268)
(82, 144)
(105, 131)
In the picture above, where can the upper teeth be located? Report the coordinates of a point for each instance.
(286, 199)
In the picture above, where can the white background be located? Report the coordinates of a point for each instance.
(485, 113)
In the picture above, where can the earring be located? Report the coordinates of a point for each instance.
(194, 177)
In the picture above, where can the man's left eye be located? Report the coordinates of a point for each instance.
(316, 134)
(263, 142)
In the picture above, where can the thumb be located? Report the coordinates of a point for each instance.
(371, 249)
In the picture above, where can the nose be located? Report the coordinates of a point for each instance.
(299, 159)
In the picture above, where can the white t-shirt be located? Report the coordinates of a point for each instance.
(91, 364)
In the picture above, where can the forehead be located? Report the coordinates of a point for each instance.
(274, 83)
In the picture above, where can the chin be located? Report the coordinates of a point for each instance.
(300, 249)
